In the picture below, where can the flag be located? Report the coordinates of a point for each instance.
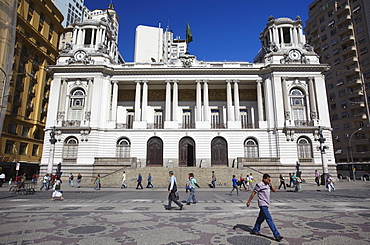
(189, 36)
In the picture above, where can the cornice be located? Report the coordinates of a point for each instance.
(109, 70)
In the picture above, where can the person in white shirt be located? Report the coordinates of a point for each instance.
(172, 190)
(123, 180)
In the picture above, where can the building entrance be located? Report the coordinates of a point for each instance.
(187, 152)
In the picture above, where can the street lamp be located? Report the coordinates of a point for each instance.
(338, 138)
(350, 146)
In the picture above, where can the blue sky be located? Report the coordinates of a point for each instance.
(222, 30)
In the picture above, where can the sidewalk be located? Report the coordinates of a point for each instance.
(339, 184)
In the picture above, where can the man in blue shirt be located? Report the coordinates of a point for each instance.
(262, 189)
(139, 180)
(235, 185)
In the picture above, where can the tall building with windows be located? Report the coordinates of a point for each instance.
(72, 10)
(37, 33)
(186, 115)
(152, 44)
(339, 31)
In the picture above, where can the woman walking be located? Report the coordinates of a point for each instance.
(282, 182)
(193, 183)
(97, 182)
(79, 179)
(57, 189)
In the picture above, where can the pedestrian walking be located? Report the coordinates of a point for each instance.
(247, 182)
(123, 179)
(298, 186)
(317, 178)
(57, 187)
(70, 182)
(294, 181)
(45, 182)
(262, 190)
(251, 180)
(97, 183)
(282, 182)
(139, 180)
(242, 182)
(2, 179)
(172, 192)
(330, 181)
(213, 182)
(235, 185)
(34, 179)
(193, 183)
(79, 180)
(149, 185)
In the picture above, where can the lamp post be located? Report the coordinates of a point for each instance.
(322, 148)
(52, 151)
(338, 138)
(350, 146)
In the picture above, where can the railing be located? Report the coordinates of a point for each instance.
(305, 160)
(71, 123)
(303, 123)
(155, 126)
(218, 125)
(186, 125)
(123, 126)
(260, 159)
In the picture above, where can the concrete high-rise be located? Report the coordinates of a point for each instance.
(339, 31)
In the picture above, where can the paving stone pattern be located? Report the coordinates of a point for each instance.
(127, 217)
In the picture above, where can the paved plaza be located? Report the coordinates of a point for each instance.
(129, 216)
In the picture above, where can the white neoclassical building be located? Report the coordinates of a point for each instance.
(110, 115)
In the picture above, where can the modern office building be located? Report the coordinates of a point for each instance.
(72, 10)
(152, 44)
(106, 116)
(37, 33)
(339, 31)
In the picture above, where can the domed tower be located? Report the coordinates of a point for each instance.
(94, 40)
(283, 42)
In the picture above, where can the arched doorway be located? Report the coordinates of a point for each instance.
(187, 152)
(154, 152)
(219, 155)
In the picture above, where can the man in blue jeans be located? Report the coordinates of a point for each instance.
(263, 191)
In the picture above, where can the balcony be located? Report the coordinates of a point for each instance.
(218, 125)
(344, 18)
(123, 126)
(187, 125)
(348, 50)
(360, 115)
(303, 123)
(342, 9)
(355, 94)
(71, 123)
(350, 60)
(344, 29)
(155, 126)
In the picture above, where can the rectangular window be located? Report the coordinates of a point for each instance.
(130, 118)
(158, 119)
(360, 29)
(342, 92)
(334, 41)
(186, 118)
(215, 118)
(346, 126)
(340, 82)
(361, 40)
(23, 149)
(337, 61)
(9, 145)
(333, 106)
(35, 149)
(326, 46)
(363, 51)
(244, 118)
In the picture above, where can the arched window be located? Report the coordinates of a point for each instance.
(70, 148)
(298, 106)
(304, 149)
(25, 131)
(251, 148)
(123, 148)
(76, 104)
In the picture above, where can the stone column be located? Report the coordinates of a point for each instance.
(230, 116)
(259, 100)
(286, 99)
(236, 100)
(252, 117)
(144, 103)
(75, 34)
(90, 87)
(79, 37)
(63, 98)
(311, 87)
(168, 100)
(137, 101)
(114, 100)
(92, 37)
(206, 101)
(175, 101)
(281, 35)
(199, 101)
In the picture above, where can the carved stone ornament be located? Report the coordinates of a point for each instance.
(308, 47)
(287, 115)
(102, 48)
(67, 49)
(61, 115)
(294, 56)
(272, 47)
(187, 60)
(80, 56)
(87, 115)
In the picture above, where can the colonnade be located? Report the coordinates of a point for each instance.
(276, 35)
